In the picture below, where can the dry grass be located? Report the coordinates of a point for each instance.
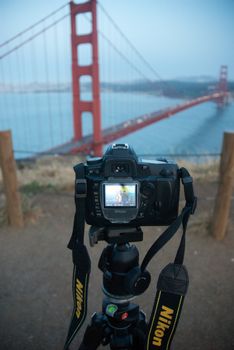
(201, 223)
(47, 174)
(54, 172)
(207, 171)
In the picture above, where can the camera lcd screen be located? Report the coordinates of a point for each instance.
(120, 195)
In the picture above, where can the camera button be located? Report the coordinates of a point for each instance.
(145, 167)
(147, 189)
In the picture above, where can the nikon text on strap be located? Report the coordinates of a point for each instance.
(172, 287)
(81, 260)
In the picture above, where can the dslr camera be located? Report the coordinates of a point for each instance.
(123, 189)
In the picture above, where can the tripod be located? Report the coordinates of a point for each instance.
(121, 324)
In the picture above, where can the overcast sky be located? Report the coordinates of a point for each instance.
(178, 38)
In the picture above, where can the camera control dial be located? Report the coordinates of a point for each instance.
(147, 189)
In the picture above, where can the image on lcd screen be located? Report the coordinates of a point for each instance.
(120, 195)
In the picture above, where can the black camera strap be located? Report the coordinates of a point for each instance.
(173, 280)
(80, 255)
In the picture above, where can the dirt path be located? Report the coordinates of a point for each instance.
(36, 270)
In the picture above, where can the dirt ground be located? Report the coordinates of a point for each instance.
(36, 273)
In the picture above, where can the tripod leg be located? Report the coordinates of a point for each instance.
(139, 339)
(94, 334)
(139, 333)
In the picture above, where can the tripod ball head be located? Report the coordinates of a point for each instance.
(122, 276)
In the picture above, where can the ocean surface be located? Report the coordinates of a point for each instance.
(41, 121)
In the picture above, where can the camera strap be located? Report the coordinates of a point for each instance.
(173, 280)
(80, 256)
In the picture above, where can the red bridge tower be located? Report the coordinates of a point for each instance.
(79, 105)
(223, 86)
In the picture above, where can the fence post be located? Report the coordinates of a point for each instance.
(10, 185)
(224, 195)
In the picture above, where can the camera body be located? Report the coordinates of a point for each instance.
(123, 189)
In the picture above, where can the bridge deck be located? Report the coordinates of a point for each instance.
(124, 128)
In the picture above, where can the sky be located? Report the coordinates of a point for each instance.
(179, 38)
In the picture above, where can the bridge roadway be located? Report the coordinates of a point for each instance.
(122, 129)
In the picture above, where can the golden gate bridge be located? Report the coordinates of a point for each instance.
(93, 142)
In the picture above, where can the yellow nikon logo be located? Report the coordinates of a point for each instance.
(162, 325)
(79, 297)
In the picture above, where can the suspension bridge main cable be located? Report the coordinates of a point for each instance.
(33, 25)
(130, 43)
(137, 52)
(119, 52)
(124, 57)
(33, 36)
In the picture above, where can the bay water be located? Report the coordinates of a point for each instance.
(41, 121)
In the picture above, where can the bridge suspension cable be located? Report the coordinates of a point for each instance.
(32, 36)
(135, 102)
(124, 56)
(34, 100)
(121, 54)
(33, 25)
(137, 52)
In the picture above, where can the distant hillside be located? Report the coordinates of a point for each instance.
(172, 88)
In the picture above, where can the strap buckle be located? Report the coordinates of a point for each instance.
(187, 180)
(81, 188)
(193, 205)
